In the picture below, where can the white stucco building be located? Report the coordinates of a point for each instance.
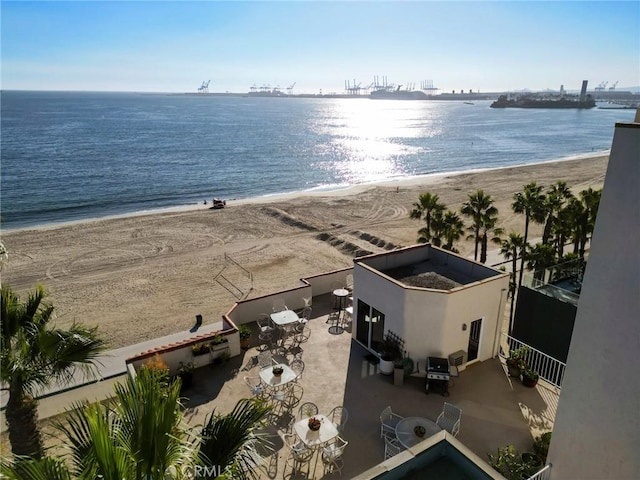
(438, 302)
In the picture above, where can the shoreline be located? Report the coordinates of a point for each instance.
(145, 276)
(347, 190)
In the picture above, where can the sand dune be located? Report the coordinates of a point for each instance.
(141, 277)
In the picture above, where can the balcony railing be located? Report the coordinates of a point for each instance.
(549, 369)
(543, 474)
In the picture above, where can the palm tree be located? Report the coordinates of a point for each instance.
(33, 354)
(438, 228)
(140, 436)
(591, 201)
(512, 248)
(489, 233)
(555, 200)
(425, 208)
(452, 229)
(231, 440)
(478, 207)
(572, 217)
(529, 202)
(540, 256)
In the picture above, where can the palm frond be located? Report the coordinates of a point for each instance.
(231, 440)
(48, 468)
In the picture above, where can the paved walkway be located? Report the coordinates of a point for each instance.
(111, 368)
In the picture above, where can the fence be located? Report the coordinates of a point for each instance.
(544, 474)
(549, 369)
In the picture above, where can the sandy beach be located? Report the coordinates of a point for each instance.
(145, 276)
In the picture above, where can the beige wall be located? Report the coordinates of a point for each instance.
(430, 321)
(597, 427)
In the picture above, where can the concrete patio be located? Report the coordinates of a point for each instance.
(495, 411)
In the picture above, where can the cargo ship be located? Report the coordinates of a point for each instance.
(535, 101)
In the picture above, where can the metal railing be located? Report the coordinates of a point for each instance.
(549, 369)
(543, 474)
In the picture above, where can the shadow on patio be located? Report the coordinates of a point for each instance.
(337, 373)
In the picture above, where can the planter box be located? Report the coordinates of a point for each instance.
(398, 376)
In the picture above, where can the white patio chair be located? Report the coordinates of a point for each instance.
(265, 328)
(305, 316)
(303, 333)
(279, 305)
(332, 455)
(307, 410)
(255, 385)
(392, 446)
(300, 453)
(297, 366)
(349, 282)
(339, 416)
(293, 395)
(347, 316)
(265, 359)
(449, 419)
(388, 421)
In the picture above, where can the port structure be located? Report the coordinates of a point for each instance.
(290, 88)
(353, 89)
(204, 88)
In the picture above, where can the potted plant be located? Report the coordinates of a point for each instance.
(529, 377)
(157, 366)
(532, 462)
(419, 430)
(516, 362)
(185, 372)
(245, 334)
(390, 353)
(200, 349)
(541, 445)
(314, 424)
(277, 371)
(219, 340)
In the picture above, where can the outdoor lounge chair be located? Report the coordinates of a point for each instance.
(339, 416)
(392, 446)
(388, 421)
(332, 455)
(449, 419)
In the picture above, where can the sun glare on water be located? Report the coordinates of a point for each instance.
(370, 138)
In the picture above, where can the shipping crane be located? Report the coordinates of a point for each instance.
(204, 88)
(290, 88)
(613, 87)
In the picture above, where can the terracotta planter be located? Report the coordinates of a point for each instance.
(529, 382)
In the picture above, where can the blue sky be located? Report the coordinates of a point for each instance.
(173, 46)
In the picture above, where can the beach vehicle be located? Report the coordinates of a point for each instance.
(217, 203)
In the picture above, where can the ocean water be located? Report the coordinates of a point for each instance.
(69, 156)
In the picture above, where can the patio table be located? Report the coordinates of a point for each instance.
(406, 435)
(328, 431)
(341, 295)
(285, 318)
(267, 376)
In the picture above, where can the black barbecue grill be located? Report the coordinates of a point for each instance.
(438, 375)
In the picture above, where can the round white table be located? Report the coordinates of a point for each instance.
(406, 435)
(341, 294)
(267, 376)
(328, 431)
